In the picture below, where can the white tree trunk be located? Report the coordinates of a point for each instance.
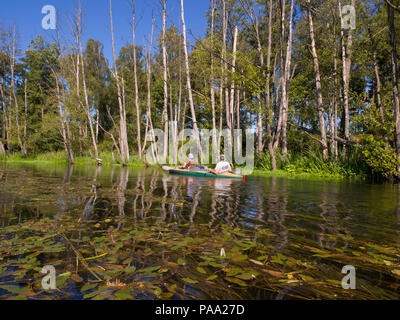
(123, 138)
(346, 61)
(138, 116)
(189, 85)
(320, 104)
(212, 89)
(165, 110)
(12, 49)
(395, 81)
(232, 98)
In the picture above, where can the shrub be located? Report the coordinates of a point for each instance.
(382, 160)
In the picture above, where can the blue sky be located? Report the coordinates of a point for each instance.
(28, 17)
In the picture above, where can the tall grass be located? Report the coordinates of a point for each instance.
(60, 157)
(312, 163)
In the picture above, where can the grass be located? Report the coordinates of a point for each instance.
(60, 158)
(301, 175)
(311, 165)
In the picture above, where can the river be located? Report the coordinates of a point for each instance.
(135, 233)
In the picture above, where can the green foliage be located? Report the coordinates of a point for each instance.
(312, 163)
(374, 121)
(380, 158)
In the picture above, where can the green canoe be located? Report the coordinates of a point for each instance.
(203, 173)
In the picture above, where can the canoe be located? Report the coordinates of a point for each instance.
(203, 173)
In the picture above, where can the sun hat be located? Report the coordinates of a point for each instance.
(191, 157)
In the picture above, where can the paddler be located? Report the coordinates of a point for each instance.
(189, 162)
(222, 166)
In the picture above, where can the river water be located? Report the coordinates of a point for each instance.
(121, 233)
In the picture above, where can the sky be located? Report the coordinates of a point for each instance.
(27, 15)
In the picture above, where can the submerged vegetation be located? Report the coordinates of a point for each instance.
(121, 259)
(152, 259)
(129, 233)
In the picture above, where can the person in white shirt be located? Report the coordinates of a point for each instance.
(222, 166)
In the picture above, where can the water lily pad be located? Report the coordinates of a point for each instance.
(181, 262)
(188, 280)
(88, 287)
(237, 281)
(201, 270)
(14, 289)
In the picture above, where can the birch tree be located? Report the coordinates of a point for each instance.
(346, 68)
(123, 137)
(12, 56)
(80, 69)
(320, 104)
(212, 83)
(165, 78)
(189, 85)
(285, 76)
(395, 79)
(135, 79)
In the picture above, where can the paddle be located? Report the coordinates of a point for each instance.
(166, 168)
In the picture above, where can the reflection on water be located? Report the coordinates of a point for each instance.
(326, 216)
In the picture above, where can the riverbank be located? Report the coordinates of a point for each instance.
(290, 170)
(306, 175)
(59, 158)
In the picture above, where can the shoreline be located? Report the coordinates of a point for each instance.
(305, 175)
(257, 172)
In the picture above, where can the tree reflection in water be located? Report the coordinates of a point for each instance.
(325, 224)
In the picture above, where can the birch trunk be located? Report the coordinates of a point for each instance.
(232, 97)
(334, 124)
(5, 117)
(64, 111)
(138, 116)
(287, 77)
(346, 61)
(80, 62)
(228, 141)
(25, 110)
(165, 110)
(62, 120)
(149, 123)
(268, 106)
(12, 50)
(320, 104)
(395, 81)
(87, 109)
(254, 20)
(189, 86)
(378, 83)
(123, 138)
(4, 126)
(212, 89)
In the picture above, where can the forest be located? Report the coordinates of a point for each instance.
(317, 80)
